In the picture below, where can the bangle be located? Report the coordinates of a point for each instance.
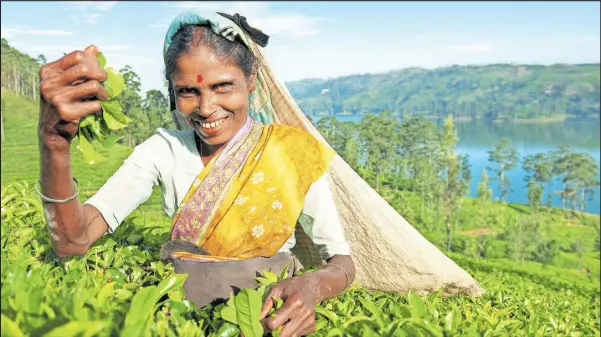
(56, 201)
(348, 280)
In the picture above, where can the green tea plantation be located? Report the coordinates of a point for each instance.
(119, 287)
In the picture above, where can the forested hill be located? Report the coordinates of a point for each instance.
(493, 92)
(20, 71)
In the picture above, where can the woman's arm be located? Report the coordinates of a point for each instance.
(66, 86)
(73, 228)
(303, 292)
(70, 89)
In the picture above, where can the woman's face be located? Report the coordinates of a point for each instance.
(212, 96)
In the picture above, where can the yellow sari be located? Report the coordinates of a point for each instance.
(246, 202)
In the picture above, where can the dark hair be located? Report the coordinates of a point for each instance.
(191, 36)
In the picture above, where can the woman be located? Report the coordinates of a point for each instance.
(234, 187)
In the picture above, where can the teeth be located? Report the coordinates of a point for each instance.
(212, 125)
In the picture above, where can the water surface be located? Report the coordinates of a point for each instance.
(477, 137)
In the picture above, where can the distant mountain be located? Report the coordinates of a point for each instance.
(496, 91)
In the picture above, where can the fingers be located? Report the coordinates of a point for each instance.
(301, 323)
(76, 110)
(86, 90)
(62, 64)
(68, 61)
(83, 71)
(292, 328)
(281, 316)
(274, 293)
(92, 50)
(66, 99)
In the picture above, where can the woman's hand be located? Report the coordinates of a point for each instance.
(302, 293)
(297, 315)
(70, 89)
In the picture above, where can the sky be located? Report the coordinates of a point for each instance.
(321, 39)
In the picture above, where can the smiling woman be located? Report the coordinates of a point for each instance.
(237, 181)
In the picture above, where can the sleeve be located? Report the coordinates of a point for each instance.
(131, 185)
(324, 226)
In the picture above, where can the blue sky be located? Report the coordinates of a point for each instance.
(322, 39)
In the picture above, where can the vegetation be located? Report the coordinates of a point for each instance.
(500, 91)
(539, 265)
(119, 288)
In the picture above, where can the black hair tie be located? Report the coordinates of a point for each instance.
(256, 35)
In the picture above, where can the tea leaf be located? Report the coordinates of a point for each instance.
(101, 60)
(9, 328)
(418, 307)
(248, 310)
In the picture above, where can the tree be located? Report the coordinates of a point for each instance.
(2, 120)
(520, 234)
(539, 170)
(506, 158)
(419, 141)
(484, 192)
(578, 172)
(41, 59)
(535, 194)
(452, 183)
(331, 129)
(131, 104)
(378, 134)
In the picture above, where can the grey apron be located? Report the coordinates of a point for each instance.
(212, 282)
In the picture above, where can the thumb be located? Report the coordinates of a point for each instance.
(92, 49)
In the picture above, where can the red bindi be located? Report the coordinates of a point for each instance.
(198, 78)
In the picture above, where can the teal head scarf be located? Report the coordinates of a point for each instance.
(260, 107)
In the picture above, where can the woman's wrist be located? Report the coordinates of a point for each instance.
(330, 281)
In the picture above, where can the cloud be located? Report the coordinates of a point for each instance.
(91, 11)
(130, 58)
(67, 48)
(259, 15)
(472, 48)
(100, 6)
(91, 17)
(159, 26)
(10, 32)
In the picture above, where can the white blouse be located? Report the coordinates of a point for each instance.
(170, 159)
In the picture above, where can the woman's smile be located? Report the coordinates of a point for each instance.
(211, 128)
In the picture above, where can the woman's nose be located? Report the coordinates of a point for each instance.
(207, 105)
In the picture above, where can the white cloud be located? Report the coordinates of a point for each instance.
(67, 48)
(101, 6)
(130, 58)
(259, 15)
(91, 18)
(159, 26)
(10, 32)
(91, 11)
(472, 48)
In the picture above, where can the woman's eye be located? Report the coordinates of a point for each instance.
(223, 87)
(186, 92)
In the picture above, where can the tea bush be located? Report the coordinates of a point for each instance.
(119, 288)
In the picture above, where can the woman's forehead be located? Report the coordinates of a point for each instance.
(193, 69)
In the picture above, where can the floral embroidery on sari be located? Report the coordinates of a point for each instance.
(250, 213)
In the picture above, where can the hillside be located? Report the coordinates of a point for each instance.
(492, 92)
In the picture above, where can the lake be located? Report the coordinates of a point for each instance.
(477, 137)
